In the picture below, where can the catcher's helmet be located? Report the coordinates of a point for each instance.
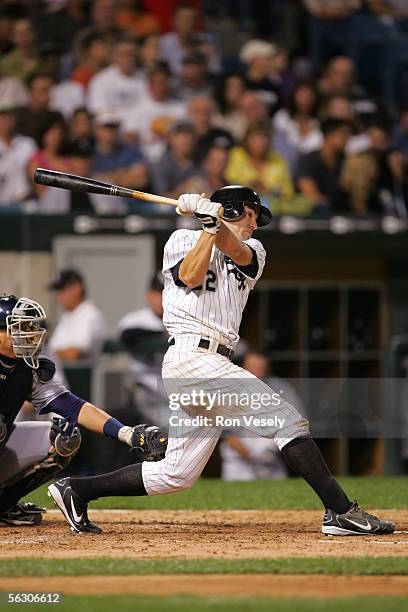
(24, 321)
(234, 197)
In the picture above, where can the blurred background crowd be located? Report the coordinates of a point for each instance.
(304, 101)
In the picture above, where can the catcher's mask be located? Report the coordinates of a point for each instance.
(26, 328)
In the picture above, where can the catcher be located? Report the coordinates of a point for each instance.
(31, 453)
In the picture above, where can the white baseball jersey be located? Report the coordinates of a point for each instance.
(214, 310)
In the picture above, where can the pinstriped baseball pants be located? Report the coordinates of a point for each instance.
(187, 367)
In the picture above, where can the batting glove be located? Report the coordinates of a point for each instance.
(188, 203)
(209, 214)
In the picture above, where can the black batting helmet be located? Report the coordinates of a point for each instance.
(234, 197)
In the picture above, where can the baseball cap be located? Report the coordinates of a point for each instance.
(7, 106)
(157, 282)
(256, 48)
(195, 57)
(66, 277)
(107, 118)
(182, 125)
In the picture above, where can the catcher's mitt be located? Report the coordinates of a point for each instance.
(148, 443)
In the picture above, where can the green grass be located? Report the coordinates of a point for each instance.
(290, 565)
(292, 493)
(146, 603)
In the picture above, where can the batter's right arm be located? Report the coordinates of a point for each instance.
(195, 264)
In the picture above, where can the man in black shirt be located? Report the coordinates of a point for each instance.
(319, 171)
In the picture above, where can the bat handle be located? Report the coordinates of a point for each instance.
(151, 197)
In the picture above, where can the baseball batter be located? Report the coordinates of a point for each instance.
(208, 276)
(32, 453)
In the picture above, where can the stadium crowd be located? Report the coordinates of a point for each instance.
(302, 101)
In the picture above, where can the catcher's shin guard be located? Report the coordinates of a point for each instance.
(64, 445)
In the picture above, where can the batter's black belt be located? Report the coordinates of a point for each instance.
(205, 344)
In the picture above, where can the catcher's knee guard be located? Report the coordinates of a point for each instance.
(65, 442)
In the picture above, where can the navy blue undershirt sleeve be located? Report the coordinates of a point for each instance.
(175, 274)
(67, 405)
(251, 269)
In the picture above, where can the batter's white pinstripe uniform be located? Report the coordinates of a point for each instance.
(212, 312)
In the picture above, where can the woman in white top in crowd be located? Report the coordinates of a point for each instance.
(296, 127)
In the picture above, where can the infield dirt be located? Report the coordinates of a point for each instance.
(143, 534)
(150, 534)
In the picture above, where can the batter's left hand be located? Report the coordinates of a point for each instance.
(188, 203)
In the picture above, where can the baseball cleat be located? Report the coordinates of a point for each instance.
(354, 522)
(72, 506)
(31, 508)
(22, 514)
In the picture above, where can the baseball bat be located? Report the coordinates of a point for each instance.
(52, 178)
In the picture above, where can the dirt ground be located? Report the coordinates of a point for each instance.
(152, 534)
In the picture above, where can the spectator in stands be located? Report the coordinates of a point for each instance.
(116, 162)
(281, 74)
(66, 95)
(103, 18)
(135, 20)
(81, 158)
(400, 132)
(36, 115)
(253, 109)
(176, 44)
(150, 119)
(52, 154)
(12, 92)
(296, 128)
(213, 167)
(174, 172)
(329, 27)
(339, 80)
(256, 458)
(118, 88)
(133, 326)
(194, 79)
(337, 107)
(201, 111)
(149, 52)
(182, 40)
(143, 335)
(229, 115)
(63, 24)
(257, 56)
(375, 180)
(15, 153)
(23, 61)
(81, 330)
(81, 129)
(6, 23)
(93, 53)
(255, 165)
(318, 172)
